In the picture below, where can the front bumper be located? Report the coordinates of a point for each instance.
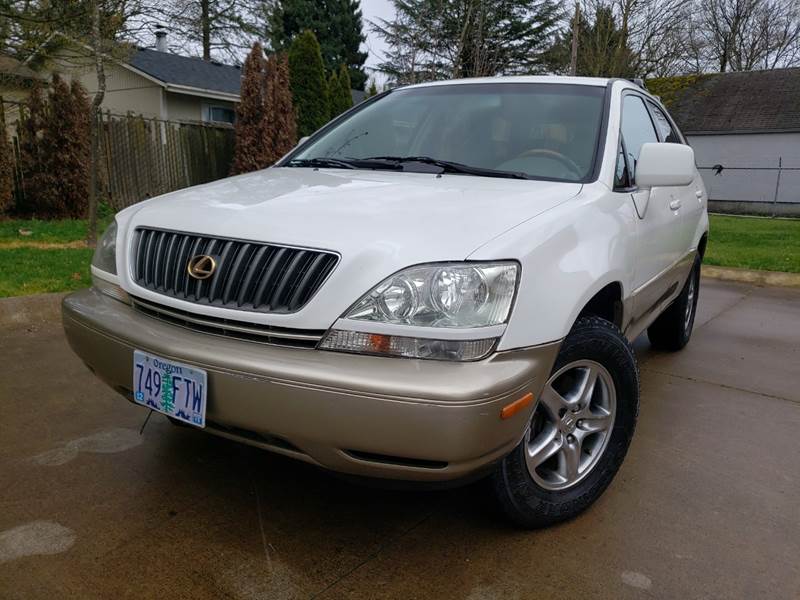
(362, 415)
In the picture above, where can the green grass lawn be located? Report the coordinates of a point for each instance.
(751, 243)
(35, 271)
(66, 230)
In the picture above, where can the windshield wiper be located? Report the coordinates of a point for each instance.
(322, 162)
(326, 162)
(448, 166)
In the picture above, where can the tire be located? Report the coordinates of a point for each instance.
(534, 496)
(672, 330)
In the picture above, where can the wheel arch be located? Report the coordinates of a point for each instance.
(606, 303)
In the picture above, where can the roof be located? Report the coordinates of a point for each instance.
(738, 102)
(11, 66)
(187, 71)
(358, 96)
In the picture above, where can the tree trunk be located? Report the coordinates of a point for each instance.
(205, 23)
(573, 60)
(91, 238)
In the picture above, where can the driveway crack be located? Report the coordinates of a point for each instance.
(374, 554)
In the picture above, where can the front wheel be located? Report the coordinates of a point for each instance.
(580, 430)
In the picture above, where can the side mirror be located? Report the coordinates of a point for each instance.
(663, 165)
(302, 140)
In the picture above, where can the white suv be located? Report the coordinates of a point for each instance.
(440, 284)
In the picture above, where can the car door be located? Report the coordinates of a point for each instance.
(659, 236)
(690, 197)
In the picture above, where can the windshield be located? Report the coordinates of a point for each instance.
(529, 130)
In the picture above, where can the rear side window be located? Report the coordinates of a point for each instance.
(665, 129)
(637, 129)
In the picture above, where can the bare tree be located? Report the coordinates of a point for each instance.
(221, 29)
(741, 35)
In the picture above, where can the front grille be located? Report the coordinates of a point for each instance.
(248, 276)
(251, 332)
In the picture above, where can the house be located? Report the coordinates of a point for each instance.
(748, 123)
(16, 80)
(153, 82)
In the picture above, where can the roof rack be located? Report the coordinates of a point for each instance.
(637, 81)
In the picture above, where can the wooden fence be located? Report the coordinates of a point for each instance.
(142, 158)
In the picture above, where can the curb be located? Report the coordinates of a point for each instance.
(774, 278)
(25, 311)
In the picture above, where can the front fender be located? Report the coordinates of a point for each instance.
(568, 254)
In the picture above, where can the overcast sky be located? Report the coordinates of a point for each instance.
(372, 10)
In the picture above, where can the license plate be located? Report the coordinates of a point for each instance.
(172, 388)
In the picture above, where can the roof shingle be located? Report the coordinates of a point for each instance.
(744, 101)
(188, 71)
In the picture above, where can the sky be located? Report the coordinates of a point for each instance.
(372, 10)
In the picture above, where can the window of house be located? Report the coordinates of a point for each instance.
(668, 133)
(219, 114)
(637, 129)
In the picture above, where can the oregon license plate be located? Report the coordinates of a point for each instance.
(172, 388)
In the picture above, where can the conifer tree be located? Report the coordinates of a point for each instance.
(345, 95)
(29, 133)
(6, 169)
(309, 88)
(251, 148)
(281, 128)
(333, 94)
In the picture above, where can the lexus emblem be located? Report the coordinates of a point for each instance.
(201, 266)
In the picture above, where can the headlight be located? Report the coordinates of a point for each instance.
(453, 311)
(105, 255)
(454, 295)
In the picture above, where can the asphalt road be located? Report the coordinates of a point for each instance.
(705, 506)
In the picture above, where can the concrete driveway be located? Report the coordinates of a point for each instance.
(706, 505)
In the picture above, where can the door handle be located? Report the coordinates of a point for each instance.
(699, 194)
(675, 204)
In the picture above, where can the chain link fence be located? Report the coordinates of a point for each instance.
(771, 191)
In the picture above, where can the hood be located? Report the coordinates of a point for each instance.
(378, 221)
(416, 216)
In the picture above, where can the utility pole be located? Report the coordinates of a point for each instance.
(96, 41)
(573, 61)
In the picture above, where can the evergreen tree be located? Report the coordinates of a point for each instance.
(6, 169)
(603, 49)
(333, 94)
(372, 89)
(76, 158)
(345, 100)
(54, 153)
(250, 150)
(337, 24)
(31, 166)
(442, 39)
(309, 88)
(281, 129)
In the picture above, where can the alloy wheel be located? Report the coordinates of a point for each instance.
(571, 425)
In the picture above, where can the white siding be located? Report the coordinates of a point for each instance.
(749, 150)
